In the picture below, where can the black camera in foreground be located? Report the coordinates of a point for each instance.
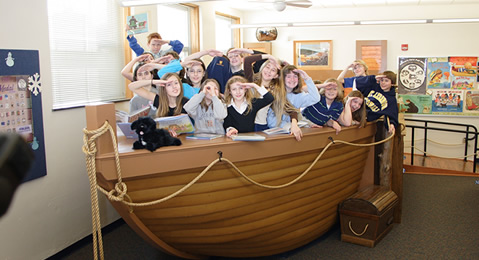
(16, 158)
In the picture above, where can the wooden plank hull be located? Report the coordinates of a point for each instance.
(223, 214)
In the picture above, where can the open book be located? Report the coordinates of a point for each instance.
(124, 120)
(203, 136)
(276, 130)
(124, 117)
(248, 137)
(181, 124)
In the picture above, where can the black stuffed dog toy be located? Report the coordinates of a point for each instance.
(149, 137)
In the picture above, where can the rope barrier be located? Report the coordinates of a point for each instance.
(119, 192)
(435, 142)
(444, 157)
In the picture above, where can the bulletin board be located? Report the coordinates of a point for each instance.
(438, 85)
(21, 103)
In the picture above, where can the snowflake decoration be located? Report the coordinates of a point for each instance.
(34, 84)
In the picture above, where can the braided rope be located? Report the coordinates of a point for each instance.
(89, 148)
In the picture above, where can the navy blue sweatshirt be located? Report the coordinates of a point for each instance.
(378, 102)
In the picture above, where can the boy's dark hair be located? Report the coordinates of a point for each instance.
(174, 54)
(188, 80)
(391, 76)
(135, 70)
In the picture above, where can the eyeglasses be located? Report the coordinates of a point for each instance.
(144, 73)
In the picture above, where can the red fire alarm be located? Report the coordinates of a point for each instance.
(404, 47)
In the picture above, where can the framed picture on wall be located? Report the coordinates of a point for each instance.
(313, 54)
(374, 53)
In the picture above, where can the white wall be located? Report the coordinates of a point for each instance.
(50, 213)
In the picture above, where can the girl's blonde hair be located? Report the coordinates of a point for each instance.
(339, 88)
(360, 114)
(203, 102)
(289, 69)
(281, 104)
(163, 107)
(258, 77)
(248, 93)
(363, 63)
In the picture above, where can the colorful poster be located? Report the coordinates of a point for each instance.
(21, 103)
(412, 76)
(472, 101)
(463, 82)
(16, 106)
(445, 100)
(463, 66)
(417, 104)
(137, 23)
(438, 73)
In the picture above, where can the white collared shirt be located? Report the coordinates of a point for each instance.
(261, 90)
(241, 108)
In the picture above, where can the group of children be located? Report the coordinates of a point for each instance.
(244, 91)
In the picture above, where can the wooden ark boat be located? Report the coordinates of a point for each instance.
(223, 214)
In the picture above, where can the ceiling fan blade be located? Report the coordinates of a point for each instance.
(299, 3)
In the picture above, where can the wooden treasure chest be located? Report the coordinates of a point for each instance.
(367, 216)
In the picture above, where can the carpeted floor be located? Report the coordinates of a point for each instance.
(440, 221)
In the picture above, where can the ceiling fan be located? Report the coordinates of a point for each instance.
(280, 5)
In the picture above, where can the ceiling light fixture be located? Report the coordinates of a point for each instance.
(322, 24)
(393, 22)
(236, 26)
(459, 20)
(128, 3)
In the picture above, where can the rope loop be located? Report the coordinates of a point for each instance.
(119, 192)
(356, 233)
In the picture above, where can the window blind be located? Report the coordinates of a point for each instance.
(86, 50)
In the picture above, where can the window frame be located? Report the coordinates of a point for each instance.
(236, 32)
(194, 38)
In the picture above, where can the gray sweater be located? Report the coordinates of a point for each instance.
(208, 120)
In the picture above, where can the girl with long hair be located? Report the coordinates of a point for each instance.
(243, 105)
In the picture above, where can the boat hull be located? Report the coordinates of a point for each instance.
(223, 214)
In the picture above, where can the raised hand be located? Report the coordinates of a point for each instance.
(379, 77)
(143, 58)
(188, 63)
(161, 82)
(302, 73)
(163, 60)
(351, 99)
(241, 50)
(209, 90)
(249, 85)
(326, 85)
(213, 53)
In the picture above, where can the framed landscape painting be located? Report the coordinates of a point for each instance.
(313, 54)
